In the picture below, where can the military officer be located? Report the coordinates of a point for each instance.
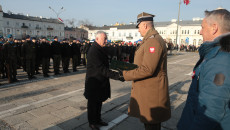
(10, 55)
(56, 55)
(149, 95)
(75, 49)
(66, 54)
(45, 55)
(29, 54)
(2, 60)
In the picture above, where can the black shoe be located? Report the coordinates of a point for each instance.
(46, 75)
(33, 77)
(102, 123)
(15, 80)
(29, 77)
(38, 73)
(56, 73)
(94, 127)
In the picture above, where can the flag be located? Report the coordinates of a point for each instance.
(60, 19)
(186, 2)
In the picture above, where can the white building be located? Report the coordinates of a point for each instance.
(189, 31)
(20, 25)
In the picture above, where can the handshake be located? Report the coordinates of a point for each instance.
(117, 75)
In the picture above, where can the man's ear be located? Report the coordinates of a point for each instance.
(215, 28)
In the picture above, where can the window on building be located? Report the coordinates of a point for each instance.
(8, 31)
(60, 34)
(18, 32)
(188, 31)
(194, 42)
(164, 32)
(135, 34)
(198, 31)
(195, 32)
(182, 31)
(200, 41)
(17, 24)
(130, 35)
(119, 34)
(182, 41)
(8, 23)
(38, 33)
(125, 34)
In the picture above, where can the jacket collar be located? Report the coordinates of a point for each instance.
(151, 32)
(102, 49)
(209, 49)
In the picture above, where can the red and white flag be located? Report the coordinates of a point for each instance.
(186, 2)
(60, 20)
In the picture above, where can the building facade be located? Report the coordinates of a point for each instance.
(21, 25)
(78, 33)
(188, 32)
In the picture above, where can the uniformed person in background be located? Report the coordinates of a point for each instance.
(83, 53)
(10, 55)
(45, 56)
(75, 50)
(79, 56)
(66, 54)
(23, 60)
(38, 56)
(2, 60)
(149, 95)
(56, 55)
(29, 54)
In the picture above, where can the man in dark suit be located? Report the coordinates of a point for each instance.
(97, 85)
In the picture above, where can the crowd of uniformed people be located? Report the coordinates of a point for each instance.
(30, 53)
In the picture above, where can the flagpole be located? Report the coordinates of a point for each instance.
(178, 22)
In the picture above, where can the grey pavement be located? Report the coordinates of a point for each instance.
(57, 102)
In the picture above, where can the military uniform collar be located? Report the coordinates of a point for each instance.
(151, 33)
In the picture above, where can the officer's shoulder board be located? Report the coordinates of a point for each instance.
(153, 36)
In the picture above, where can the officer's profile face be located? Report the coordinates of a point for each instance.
(206, 30)
(141, 29)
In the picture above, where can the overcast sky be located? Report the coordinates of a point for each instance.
(107, 12)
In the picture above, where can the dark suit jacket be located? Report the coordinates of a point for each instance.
(97, 86)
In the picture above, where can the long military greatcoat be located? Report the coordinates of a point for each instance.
(149, 95)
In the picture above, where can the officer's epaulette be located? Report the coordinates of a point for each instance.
(153, 36)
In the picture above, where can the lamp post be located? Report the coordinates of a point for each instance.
(178, 22)
(59, 12)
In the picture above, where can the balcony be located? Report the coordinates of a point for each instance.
(38, 28)
(24, 26)
(49, 28)
(129, 38)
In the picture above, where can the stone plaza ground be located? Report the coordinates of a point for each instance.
(57, 102)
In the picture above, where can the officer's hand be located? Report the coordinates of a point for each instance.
(121, 77)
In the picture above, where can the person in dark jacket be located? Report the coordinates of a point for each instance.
(75, 49)
(38, 55)
(10, 56)
(66, 54)
(45, 56)
(97, 85)
(119, 51)
(56, 55)
(29, 54)
(83, 53)
(2, 59)
(208, 101)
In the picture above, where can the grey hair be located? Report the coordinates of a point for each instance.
(221, 16)
(99, 33)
